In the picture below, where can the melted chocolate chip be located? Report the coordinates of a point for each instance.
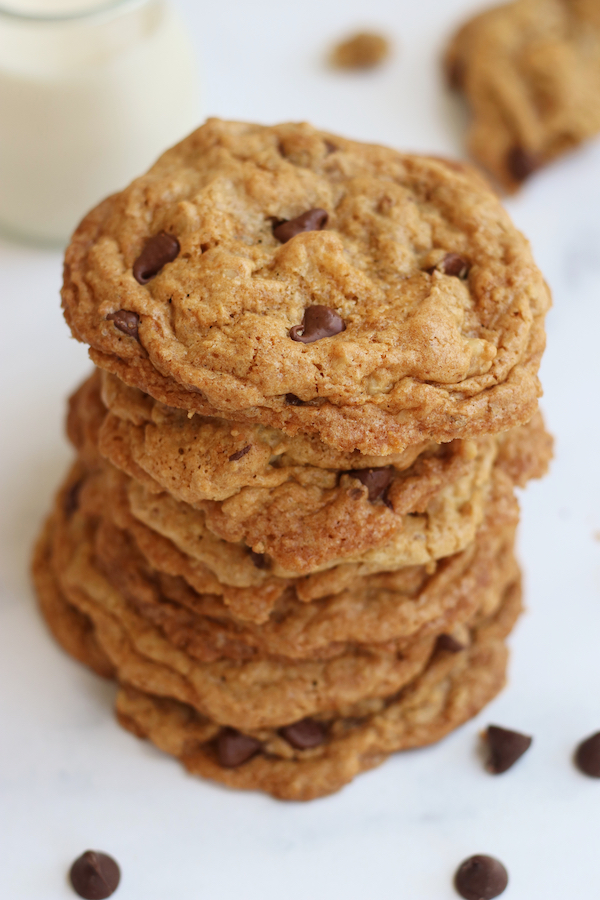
(318, 322)
(449, 644)
(292, 400)
(453, 264)
(587, 756)
(505, 747)
(259, 560)
(235, 748)
(521, 163)
(95, 875)
(312, 220)
(238, 455)
(331, 148)
(71, 500)
(158, 250)
(304, 734)
(481, 878)
(376, 481)
(126, 321)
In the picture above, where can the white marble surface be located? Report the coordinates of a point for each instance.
(71, 779)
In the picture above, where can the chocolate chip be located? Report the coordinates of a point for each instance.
(505, 747)
(292, 400)
(312, 220)
(259, 560)
(158, 250)
(71, 500)
(587, 756)
(376, 481)
(238, 455)
(304, 734)
(453, 264)
(521, 163)
(318, 322)
(126, 321)
(456, 74)
(481, 878)
(94, 875)
(449, 644)
(331, 148)
(235, 748)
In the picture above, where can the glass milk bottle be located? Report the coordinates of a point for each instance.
(91, 93)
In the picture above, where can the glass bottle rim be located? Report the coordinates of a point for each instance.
(100, 9)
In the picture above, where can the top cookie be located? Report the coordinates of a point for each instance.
(531, 73)
(290, 277)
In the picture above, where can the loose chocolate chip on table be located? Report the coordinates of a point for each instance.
(521, 163)
(95, 875)
(235, 456)
(587, 756)
(318, 322)
(158, 250)
(505, 747)
(376, 481)
(312, 220)
(292, 400)
(235, 748)
(304, 734)
(481, 878)
(126, 321)
(449, 644)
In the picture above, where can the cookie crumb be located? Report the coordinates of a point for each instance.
(364, 50)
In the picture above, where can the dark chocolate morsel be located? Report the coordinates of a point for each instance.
(453, 264)
(481, 878)
(587, 756)
(71, 499)
(376, 481)
(94, 875)
(235, 748)
(312, 220)
(456, 74)
(258, 559)
(505, 747)
(449, 644)
(126, 321)
(292, 400)
(235, 456)
(304, 734)
(318, 322)
(521, 163)
(330, 147)
(158, 250)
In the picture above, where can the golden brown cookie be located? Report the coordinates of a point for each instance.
(530, 71)
(396, 303)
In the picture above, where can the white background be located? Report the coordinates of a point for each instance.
(70, 778)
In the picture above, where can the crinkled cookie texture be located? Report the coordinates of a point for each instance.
(452, 689)
(530, 71)
(413, 313)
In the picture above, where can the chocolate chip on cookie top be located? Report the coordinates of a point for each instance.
(95, 875)
(159, 250)
(318, 322)
(312, 220)
(505, 748)
(481, 878)
(126, 321)
(237, 315)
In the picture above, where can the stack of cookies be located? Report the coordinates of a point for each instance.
(289, 531)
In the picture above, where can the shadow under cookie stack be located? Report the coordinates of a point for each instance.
(289, 532)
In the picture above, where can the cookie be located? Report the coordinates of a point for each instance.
(530, 71)
(358, 326)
